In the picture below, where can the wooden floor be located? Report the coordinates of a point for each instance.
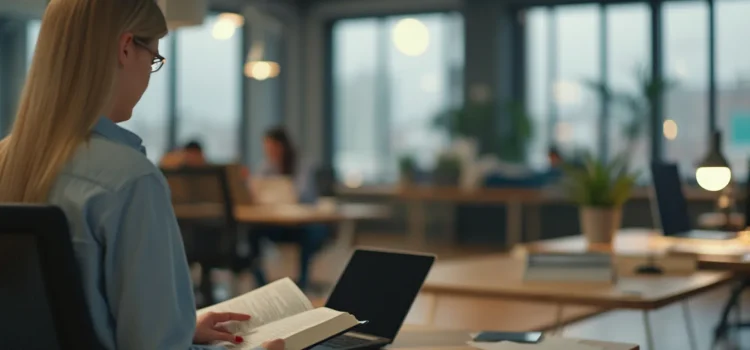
(668, 324)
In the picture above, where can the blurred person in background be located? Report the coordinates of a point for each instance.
(189, 156)
(282, 159)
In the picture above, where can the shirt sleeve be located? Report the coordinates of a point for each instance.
(147, 279)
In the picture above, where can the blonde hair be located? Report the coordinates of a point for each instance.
(68, 88)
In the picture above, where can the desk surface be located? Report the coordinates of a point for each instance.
(549, 194)
(456, 340)
(294, 214)
(730, 255)
(501, 276)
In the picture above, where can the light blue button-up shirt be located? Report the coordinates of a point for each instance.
(127, 243)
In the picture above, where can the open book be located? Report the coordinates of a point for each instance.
(281, 311)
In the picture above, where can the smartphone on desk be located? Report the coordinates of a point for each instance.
(516, 337)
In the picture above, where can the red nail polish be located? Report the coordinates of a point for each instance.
(238, 339)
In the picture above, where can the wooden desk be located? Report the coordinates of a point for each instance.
(456, 340)
(730, 255)
(345, 215)
(296, 214)
(501, 276)
(516, 200)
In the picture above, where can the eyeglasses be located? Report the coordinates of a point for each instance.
(158, 62)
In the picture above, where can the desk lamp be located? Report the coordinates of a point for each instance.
(713, 174)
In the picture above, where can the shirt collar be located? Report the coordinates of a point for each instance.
(111, 131)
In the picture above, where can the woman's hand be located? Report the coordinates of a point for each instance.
(207, 329)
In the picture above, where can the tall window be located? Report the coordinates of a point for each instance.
(538, 84)
(209, 87)
(686, 62)
(392, 76)
(733, 83)
(563, 53)
(150, 118)
(577, 61)
(628, 57)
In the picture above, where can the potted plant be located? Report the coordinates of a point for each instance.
(600, 189)
(407, 167)
(447, 170)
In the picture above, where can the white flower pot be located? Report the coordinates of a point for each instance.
(600, 225)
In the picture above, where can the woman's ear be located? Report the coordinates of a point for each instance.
(125, 48)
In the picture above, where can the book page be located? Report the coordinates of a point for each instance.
(267, 304)
(295, 327)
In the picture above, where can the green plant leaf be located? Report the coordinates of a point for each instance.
(599, 184)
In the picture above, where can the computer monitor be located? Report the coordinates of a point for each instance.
(380, 287)
(670, 200)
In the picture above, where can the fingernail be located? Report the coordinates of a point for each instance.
(238, 339)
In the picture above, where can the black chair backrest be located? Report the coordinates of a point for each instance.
(42, 305)
(202, 185)
(671, 202)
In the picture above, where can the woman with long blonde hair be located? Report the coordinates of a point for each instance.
(92, 64)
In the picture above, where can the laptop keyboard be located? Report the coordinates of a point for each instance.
(344, 342)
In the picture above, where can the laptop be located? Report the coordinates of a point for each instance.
(672, 206)
(274, 190)
(380, 287)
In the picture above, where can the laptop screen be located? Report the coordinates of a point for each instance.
(673, 212)
(380, 287)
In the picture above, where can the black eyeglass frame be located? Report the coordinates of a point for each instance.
(158, 60)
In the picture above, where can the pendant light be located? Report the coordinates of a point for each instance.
(713, 173)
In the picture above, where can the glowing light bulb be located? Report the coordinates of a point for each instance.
(411, 37)
(670, 129)
(713, 178)
(261, 70)
(223, 30)
(226, 25)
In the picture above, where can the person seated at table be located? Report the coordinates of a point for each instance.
(282, 160)
(189, 156)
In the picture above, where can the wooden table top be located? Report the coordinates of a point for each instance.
(730, 255)
(292, 214)
(540, 195)
(456, 340)
(501, 276)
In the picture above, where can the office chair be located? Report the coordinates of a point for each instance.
(210, 240)
(41, 293)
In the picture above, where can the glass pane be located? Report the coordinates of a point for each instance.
(628, 54)
(733, 82)
(32, 34)
(578, 62)
(209, 87)
(354, 112)
(537, 85)
(151, 115)
(391, 77)
(686, 62)
(432, 80)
